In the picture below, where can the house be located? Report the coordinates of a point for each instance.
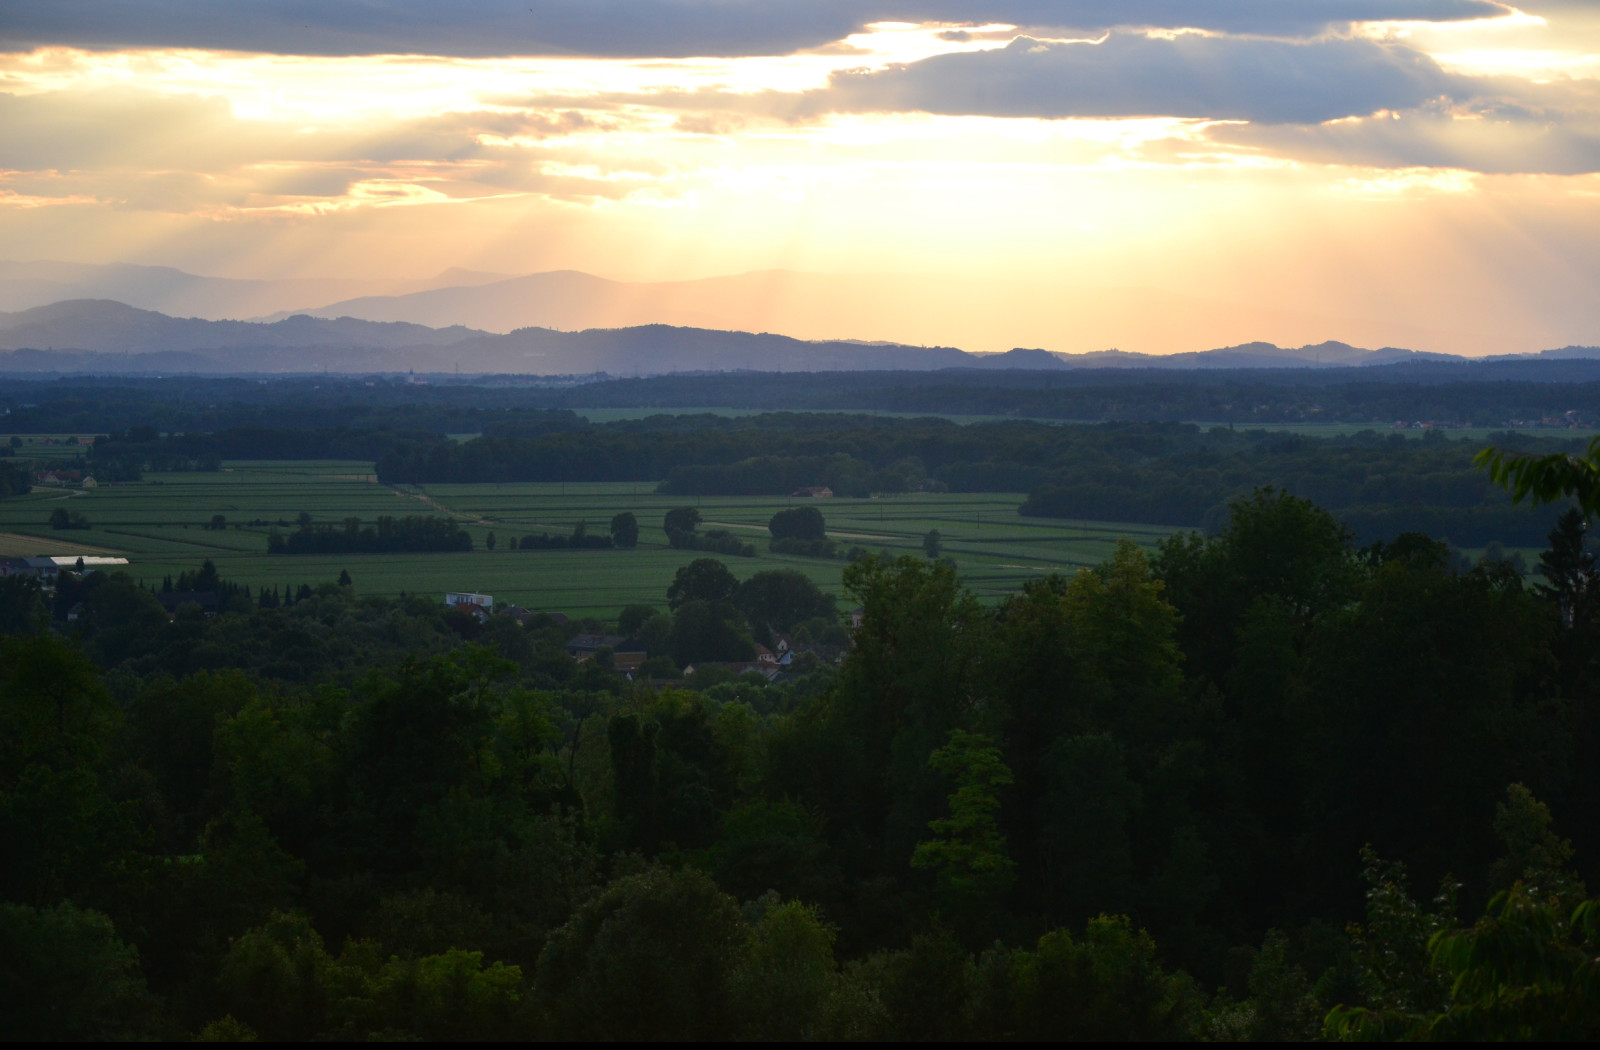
(583, 646)
(14, 567)
(768, 671)
(827, 654)
(813, 491)
(626, 656)
(482, 603)
(765, 655)
(45, 569)
(782, 643)
(517, 613)
(857, 614)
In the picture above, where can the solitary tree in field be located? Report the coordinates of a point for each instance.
(931, 543)
(798, 523)
(680, 519)
(489, 541)
(625, 530)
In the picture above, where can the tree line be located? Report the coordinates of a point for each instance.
(386, 535)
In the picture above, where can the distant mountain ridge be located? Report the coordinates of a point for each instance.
(110, 337)
(112, 327)
(1328, 354)
(102, 336)
(25, 285)
(976, 311)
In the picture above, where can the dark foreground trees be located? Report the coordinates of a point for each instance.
(1143, 801)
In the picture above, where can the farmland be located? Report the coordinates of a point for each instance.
(159, 524)
(1474, 433)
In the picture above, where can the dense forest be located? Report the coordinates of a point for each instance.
(1484, 394)
(1208, 793)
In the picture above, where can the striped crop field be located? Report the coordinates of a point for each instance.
(161, 524)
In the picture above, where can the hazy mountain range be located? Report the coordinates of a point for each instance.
(979, 313)
(97, 335)
(24, 285)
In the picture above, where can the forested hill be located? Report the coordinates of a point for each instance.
(1489, 395)
(103, 326)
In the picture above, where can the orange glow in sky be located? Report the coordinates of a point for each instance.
(1429, 184)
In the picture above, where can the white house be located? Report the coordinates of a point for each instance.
(482, 601)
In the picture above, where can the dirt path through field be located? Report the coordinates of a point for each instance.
(424, 498)
(21, 545)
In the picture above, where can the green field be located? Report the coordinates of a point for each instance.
(158, 524)
(59, 447)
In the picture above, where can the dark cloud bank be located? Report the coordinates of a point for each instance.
(635, 28)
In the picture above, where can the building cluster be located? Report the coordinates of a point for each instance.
(48, 568)
(65, 476)
(786, 659)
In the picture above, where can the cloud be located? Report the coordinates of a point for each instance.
(126, 129)
(1490, 139)
(191, 154)
(636, 28)
(1130, 74)
(64, 130)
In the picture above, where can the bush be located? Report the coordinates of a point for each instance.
(804, 548)
(62, 518)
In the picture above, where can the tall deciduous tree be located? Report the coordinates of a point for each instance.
(967, 850)
(652, 957)
(702, 580)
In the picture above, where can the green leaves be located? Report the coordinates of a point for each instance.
(1547, 479)
(64, 975)
(968, 849)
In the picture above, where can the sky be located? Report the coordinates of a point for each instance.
(1422, 169)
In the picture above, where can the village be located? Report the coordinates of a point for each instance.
(786, 660)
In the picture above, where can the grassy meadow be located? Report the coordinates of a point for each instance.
(159, 525)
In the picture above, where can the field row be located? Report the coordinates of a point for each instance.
(160, 525)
